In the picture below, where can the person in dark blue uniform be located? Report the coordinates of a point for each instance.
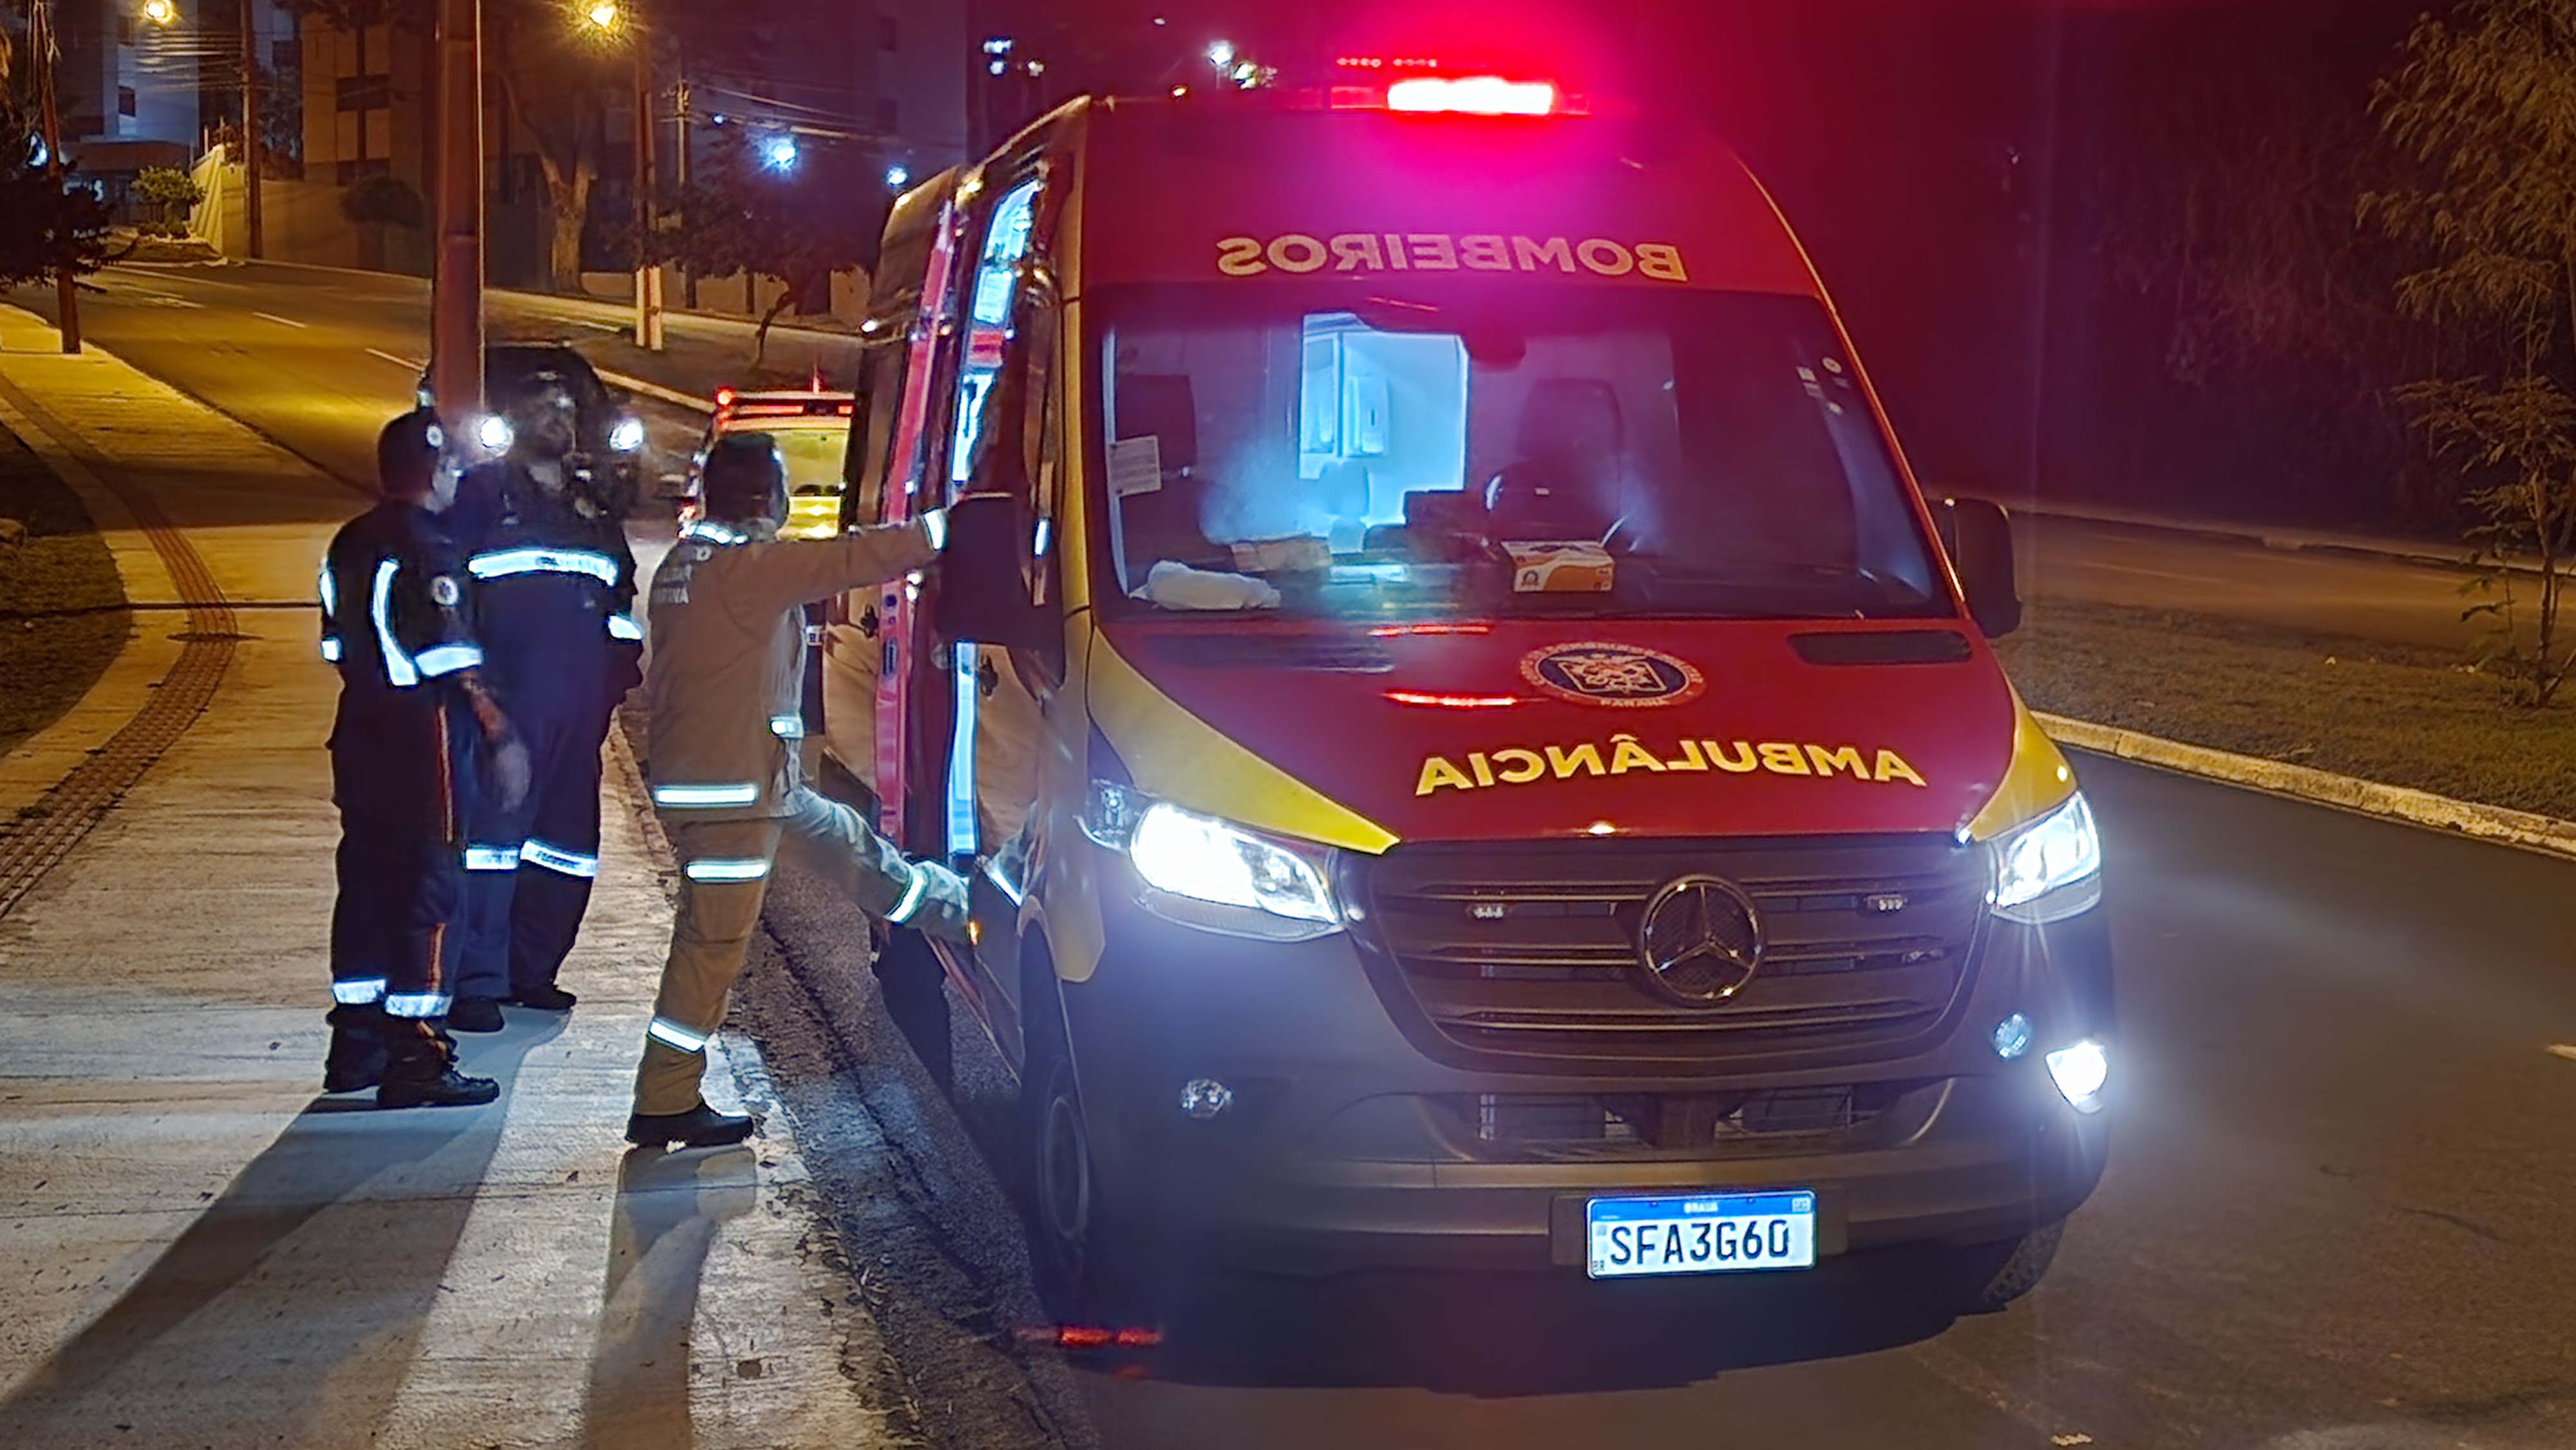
(414, 733)
(554, 586)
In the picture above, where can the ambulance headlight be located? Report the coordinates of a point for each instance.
(627, 436)
(1204, 872)
(2050, 869)
(492, 433)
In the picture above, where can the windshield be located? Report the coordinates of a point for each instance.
(813, 457)
(1581, 452)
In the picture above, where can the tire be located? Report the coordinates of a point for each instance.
(2025, 1263)
(1079, 1249)
(915, 989)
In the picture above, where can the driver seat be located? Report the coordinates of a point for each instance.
(1571, 436)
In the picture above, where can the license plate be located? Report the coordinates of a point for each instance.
(1721, 1233)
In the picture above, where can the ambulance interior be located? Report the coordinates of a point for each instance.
(1701, 454)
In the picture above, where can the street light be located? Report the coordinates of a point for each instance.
(165, 14)
(898, 176)
(610, 19)
(779, 152)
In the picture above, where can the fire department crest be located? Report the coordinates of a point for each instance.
(1619, 676)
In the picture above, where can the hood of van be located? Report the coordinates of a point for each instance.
(1557, 729)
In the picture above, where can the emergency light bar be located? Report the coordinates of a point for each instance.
(1472, 95)
(1461, 96)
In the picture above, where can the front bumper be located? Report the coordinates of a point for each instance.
(1347, 1145)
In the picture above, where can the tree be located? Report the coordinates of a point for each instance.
(742, 215)
(45, 226)
(2483, 108)
(169, 191)
(554, 77)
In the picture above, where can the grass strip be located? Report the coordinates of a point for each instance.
(62, 606)
(2410, 717)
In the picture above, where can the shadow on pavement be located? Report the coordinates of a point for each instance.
(1502, 1334)
(669, 1206)
(289, 1312)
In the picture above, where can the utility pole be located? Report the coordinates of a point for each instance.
(648, 273)
(251, 213)
(40, 39)
(456, 294)
(680, 168)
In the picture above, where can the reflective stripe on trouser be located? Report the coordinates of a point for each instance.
(719, 910)
(709, 938)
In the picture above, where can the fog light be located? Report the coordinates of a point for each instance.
(2012, 1037)
(1204, 1097)
(2080, 1072)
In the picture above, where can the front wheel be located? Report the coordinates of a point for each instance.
(1083, 1260)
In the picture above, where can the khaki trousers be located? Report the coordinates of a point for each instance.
(709, 940)
(724, 877)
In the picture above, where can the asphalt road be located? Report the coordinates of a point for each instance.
(2336, 1216)
(318, 359)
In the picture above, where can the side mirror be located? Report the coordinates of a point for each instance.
(1978, 535)
(983, 590)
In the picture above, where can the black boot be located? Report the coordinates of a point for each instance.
(699, 1127)
(476, 1014)
(357, 1059)
(420, 1071)
(546, 997)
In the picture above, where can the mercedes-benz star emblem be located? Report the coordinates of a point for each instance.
(1700, 940)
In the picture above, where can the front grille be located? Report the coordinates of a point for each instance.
(1528, 951)
(1665, 1125)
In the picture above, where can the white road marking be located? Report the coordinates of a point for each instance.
(281, 321)
(400, 362)
(2562, 1049)
(2151, 573)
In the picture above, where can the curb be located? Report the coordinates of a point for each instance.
(2530, 831)
(655, 391)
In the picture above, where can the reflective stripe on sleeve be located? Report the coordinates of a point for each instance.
(358, 993)
(555, 858)
(787, 727)
(502, 563)
(912, 896)
(712, 532)
(331, 648)
(726, 868)
(447, 659)
(740, 794)
(491, 858)
(622, 627)
(399, 672)
(417, 1004)
(330, 590)
(672, 1034)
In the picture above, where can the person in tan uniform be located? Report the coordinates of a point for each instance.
(724, 685)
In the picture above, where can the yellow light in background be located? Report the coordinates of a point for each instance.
(605, 15)
(160, 12)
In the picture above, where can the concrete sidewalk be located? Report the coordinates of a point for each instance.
(201, 1249)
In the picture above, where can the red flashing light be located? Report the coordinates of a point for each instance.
(1091, 1336)
(1472, 96)
(1453, 702)
(725, 397)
